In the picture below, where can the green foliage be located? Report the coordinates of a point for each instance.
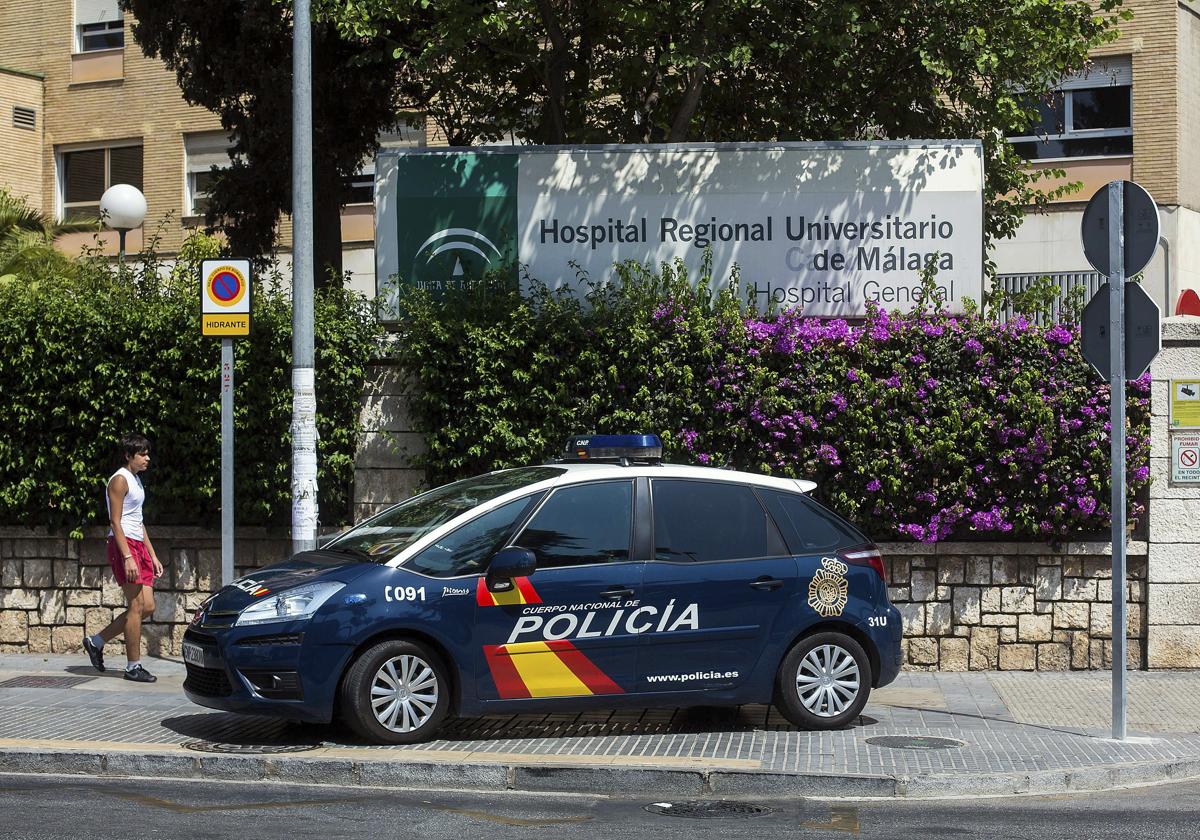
(87, 358)
(926, 425)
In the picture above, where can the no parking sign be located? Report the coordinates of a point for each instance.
(225, 297)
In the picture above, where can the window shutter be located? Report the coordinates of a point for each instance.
(96, 11)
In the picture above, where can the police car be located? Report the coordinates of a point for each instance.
(607, 579)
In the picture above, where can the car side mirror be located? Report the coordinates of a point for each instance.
(507, 564)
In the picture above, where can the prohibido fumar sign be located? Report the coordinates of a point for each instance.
(826, 226)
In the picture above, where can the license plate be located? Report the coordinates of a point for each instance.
(193, 654)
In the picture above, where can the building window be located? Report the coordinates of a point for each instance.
(1090, 115)
(359, 188)
(99, 25)
(87, 173)
(202, 152)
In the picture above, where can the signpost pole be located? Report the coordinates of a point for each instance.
(304, 394)
(226, 461)
(1116, 416)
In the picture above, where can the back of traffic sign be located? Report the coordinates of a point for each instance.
(1141, 229)
(1143, 331)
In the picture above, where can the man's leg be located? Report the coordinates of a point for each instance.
(142, 606)
(133, 620)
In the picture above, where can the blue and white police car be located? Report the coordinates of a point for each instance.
(607, 579)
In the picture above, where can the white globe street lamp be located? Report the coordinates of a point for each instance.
(122, 208)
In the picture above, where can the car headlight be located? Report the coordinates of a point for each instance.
(290, 605)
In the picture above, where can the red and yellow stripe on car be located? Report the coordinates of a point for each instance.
(521, 593)
(545, 669)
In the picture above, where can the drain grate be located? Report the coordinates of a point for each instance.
(44, 682)
(709, 810)
(915, 742)
(247, 749)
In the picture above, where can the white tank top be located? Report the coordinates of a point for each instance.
(131, 506)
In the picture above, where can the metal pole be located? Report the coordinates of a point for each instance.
(1116, 416)
(226, 461)
(121, 253)
(304, 395)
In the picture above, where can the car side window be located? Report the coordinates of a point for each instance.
(582, 524)
(807, 526)
(701, 521)
(468, 549)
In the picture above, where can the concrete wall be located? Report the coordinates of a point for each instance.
(1173, 622)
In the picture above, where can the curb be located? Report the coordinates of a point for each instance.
(551, 778)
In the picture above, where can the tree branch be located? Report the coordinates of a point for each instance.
(696, 78)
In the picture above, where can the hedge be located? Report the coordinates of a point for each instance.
(926, 425)
(88, 357)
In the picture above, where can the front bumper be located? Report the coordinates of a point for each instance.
(270, 670)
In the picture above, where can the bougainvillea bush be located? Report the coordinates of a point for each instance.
(924, 425)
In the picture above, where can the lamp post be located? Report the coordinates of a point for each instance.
(122, 208)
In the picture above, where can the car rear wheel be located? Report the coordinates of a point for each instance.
(823, 681)
(396, 692)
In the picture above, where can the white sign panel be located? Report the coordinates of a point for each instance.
(1185, 458)
(827, 227)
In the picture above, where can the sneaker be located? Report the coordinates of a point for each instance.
(94, 652)
(139, 674)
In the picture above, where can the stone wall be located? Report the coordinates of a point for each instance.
(1013, 606)
(966, 606)
(54, 589)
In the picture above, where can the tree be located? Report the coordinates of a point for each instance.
(234, 57)
(587, 71)
(27, 240)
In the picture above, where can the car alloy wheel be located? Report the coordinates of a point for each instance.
(404, 693)
(824, 681)
(828, 680)
(396, 692)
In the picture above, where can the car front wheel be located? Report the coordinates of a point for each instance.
(823, 681)
(396, 692)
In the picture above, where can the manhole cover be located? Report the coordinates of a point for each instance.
(44, 682)
(715, 810)
(247, 749)
(915, 742)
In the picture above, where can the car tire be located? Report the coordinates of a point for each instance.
(396, 692)
(823, 682)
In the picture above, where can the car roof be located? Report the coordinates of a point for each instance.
(577, 471)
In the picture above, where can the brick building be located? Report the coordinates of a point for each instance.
(1135, 115)
(81, 108)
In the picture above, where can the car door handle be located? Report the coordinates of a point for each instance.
(617, 592)
(767, 583)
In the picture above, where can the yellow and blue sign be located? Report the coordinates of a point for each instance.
(225, 297)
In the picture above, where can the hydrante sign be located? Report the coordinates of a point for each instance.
(826, 226)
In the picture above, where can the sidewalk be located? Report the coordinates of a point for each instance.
(1011, 732)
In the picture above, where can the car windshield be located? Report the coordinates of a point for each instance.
(382, 537)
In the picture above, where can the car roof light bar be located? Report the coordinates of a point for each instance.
(620, 448)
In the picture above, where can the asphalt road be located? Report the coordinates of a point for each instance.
(71, 808)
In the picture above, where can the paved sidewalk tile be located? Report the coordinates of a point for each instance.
(1007, 723)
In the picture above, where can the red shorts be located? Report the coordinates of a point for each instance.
(140, 556)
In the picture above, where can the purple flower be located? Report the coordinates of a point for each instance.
(828, 454)
(873, 485)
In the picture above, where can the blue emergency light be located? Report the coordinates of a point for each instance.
(613, 448)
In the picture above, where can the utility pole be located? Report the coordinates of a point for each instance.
(304, 393)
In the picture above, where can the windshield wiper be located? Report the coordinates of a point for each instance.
(349, 549)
